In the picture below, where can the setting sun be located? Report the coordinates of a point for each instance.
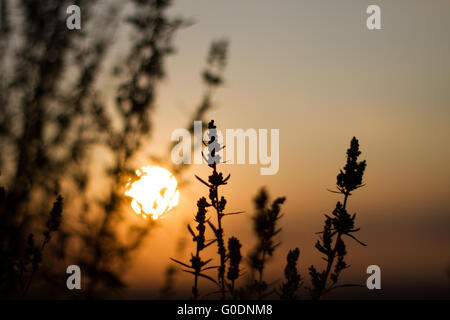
(154, 192)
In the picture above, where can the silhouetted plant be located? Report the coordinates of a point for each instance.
(18, 274)
(197, 265)
(338, 225)
(234, 258)
(265, 225)
(292, 284)
(168, 289)
(215, 180)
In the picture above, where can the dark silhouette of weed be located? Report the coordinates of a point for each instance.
(293, 279)
(265, 225)
(218, 203)
(18, 273)
(234, 258)
(216, 180)
(198, 266)
(338, 225)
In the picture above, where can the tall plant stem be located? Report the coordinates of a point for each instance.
(220, 242)
(261, 270)
(195, 288)
(333, 254)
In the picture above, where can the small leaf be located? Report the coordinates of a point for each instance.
(361, 243)
(191, 231)
(204, 263)
(212, 227)
(182, 263)
(201, 275)
(230, 213)
(211, 267)
(226, 179)
(210, 243)
(203, 181)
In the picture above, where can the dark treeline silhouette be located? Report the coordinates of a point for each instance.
(54, 111)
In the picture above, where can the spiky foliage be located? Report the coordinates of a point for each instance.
(290, 287)
(16, 274)
(234, 258)
(265, 225)
(215, 181)
(337, 226)
(197, 265)
(218, 203)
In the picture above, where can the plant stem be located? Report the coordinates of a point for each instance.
(30, 279)
(220, 242)
(261, 270)
(333, 253)
(195, 288)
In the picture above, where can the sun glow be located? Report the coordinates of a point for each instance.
(154, 193)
